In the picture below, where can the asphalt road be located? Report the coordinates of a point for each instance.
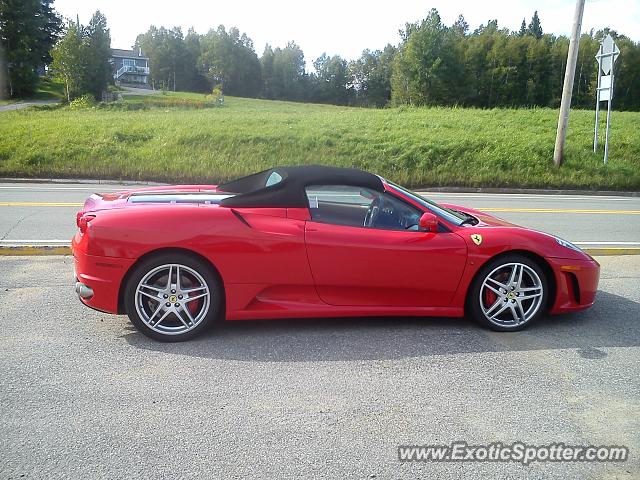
(37, 212)
(83, 395)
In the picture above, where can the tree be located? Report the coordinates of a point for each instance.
(535, 28)
(627, 71)
(371, 77)
(424, 64)
(69, 61)
(266, 64)
(539, 66)
(155, 45)
(460, 27)
(194, 80)
(523, 29)
(432, 65)
(97, 51)
(289, 81)
(28, 30)
(173, 58)
(229, 59)
(330, 80)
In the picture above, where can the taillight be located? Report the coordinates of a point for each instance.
(83, 220)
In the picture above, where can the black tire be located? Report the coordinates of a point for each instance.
(193, 273)
(514, 299)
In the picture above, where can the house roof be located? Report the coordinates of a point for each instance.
(287, 187)
(116, 52)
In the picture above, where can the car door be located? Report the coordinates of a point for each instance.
(385, 263)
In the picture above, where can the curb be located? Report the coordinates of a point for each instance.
(530, 191)
(40, 250)
(79, 181)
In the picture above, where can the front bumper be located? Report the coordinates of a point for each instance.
(576, 284)
(102, 275)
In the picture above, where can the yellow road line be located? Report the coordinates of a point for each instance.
(557, 210)
(34, 250)
(40, 204)
(609, 251)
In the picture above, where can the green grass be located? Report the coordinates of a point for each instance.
(420, 147)
(49, 90)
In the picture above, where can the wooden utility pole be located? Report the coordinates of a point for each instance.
(567, 89)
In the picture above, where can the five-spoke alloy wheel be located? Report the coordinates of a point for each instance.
(172, 297)
(508, 293)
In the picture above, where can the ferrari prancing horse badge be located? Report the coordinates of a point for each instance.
(477, 238)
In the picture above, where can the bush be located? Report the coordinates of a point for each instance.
(85, 101)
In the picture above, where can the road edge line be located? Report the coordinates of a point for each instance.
(32, 250)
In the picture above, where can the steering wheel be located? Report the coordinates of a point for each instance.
(372, 213)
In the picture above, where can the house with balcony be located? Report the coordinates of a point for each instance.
(130, 67)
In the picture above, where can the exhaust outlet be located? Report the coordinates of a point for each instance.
(84, 291)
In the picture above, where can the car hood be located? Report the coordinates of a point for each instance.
(486, 219)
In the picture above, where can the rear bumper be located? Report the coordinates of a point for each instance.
(576, 284)
(103, 275)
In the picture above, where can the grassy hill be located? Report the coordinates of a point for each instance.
(183, 138)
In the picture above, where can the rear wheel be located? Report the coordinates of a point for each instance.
(508, 293)
(173, 297)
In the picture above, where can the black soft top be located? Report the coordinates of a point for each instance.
(290, 183)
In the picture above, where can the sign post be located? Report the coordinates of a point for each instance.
(606, 57)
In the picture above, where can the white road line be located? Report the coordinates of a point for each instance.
(31, 242)
(607, 243)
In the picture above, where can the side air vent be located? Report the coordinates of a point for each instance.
(574, 287)
(241, 218)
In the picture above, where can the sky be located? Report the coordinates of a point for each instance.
(343, 27)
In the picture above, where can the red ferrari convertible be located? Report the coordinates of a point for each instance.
(314, 241)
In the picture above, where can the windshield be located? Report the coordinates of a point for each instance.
(448, 214)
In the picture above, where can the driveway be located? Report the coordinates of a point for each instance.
(139, 91)
(29, 103)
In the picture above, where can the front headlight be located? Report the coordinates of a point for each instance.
(566, 244)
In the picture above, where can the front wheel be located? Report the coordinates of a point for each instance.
(508, 293)
(173, 297)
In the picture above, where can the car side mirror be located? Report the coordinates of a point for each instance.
(428, 222)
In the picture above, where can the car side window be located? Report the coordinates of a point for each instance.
(340, 204)
(394, 214)
(360, 207)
